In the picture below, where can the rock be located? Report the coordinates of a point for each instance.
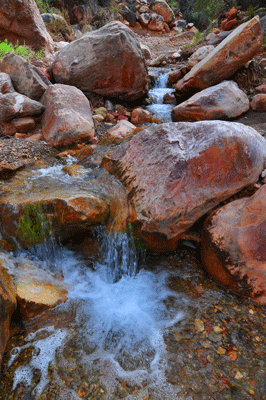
(144, 19)
(169, 98)
(261, 88)
(107, 62)
(233, 250)
(37, 289)
(127, 14)
(68, 116)
(224, 100)
(239, 47)
(217, 38)
(122, 129)
(60, 45)
(258, 102)
(158, 61)
(21, 21)
(24, 125)
(15, 105)
(263, 24)
(162, 8)
(174, 76)
(199, 55)
(101, 110)
(6, 85)
(8, 302)
(174, 173)
(26, 78)
(98, 117)
(32, 219)
(262, 63)
(156, 22)
(146, 51)
(181, 23)
(140, 116)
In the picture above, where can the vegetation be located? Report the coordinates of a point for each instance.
(20, 50)
(34, 227)
(44, 6)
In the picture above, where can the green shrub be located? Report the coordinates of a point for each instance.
(21, 50)
(43, 6)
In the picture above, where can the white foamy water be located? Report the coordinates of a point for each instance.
(121, 314)
(157, 108)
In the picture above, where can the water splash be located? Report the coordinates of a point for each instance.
(157, 108)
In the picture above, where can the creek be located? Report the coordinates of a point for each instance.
(156, 94)
(136, 324)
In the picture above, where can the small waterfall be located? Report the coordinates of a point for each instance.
(157, 108)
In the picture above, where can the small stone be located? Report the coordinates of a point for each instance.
(217, 329)
(199, 325)
(238, 375)
(221, 351)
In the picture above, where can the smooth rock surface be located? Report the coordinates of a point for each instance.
(16, 105)
(6, 85)
(224, 100)
(21, 21)
(26, 78)
(174, 173)
(122, 129)
(68, 116)
(108, 62)
(234, 51)
(233, 246)
(258, 103)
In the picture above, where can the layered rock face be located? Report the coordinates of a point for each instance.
(233, 52)
(107, 62)
(174, 173)
(233, 246)
(21, 21)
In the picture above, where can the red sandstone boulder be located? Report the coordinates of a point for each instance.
(233, 246)
(174, 173)
(68, 116)
(232, 53)
(21, 21)
(26, 78)
(107, 62)
(156, 22)
(162, 8)
(8, 303)
(258, 102)
(224, 100)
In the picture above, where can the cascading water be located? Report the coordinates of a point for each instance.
(157, 108)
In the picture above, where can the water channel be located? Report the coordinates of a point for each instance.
(136, 325)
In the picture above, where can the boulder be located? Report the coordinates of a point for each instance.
(258, 103)
(32, 219)
(162, 8)
(140, 116)
(146, 51)
(127, 14)
(233, 246)
(21, 21)
(122, 129)
(174, 173)
(263, 24)
(6, 85)
(27, 79)
(15, 105)
(199, 55)
(37, 289)
(224, 100)
(8, 302)
(144, 19)
(68, 116)
(234, 51)
(106, 62)
(156, 22)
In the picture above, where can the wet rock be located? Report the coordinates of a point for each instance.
(106, 62)
(224, 100)
(258, 102)
(156, 22)
(122, 129)
(8, 302)
(233, 250)
(37, 289)
(169, 98)
(162, 8)
(15, 105)
(21, 21)
(239, 47)
(32, 219)
(6, 85)
(26, 78)
(140, 116)
(174, 76)
(174, 173)
(68, 116)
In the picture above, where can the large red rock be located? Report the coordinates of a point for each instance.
(233, 246)
(68, 116)
(224, 100)
(107, 62)
(21, 21)
(162, 8)
(8, 303)
(174, 173)
(232, 53)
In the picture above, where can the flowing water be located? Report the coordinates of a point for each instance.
(156, 94)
